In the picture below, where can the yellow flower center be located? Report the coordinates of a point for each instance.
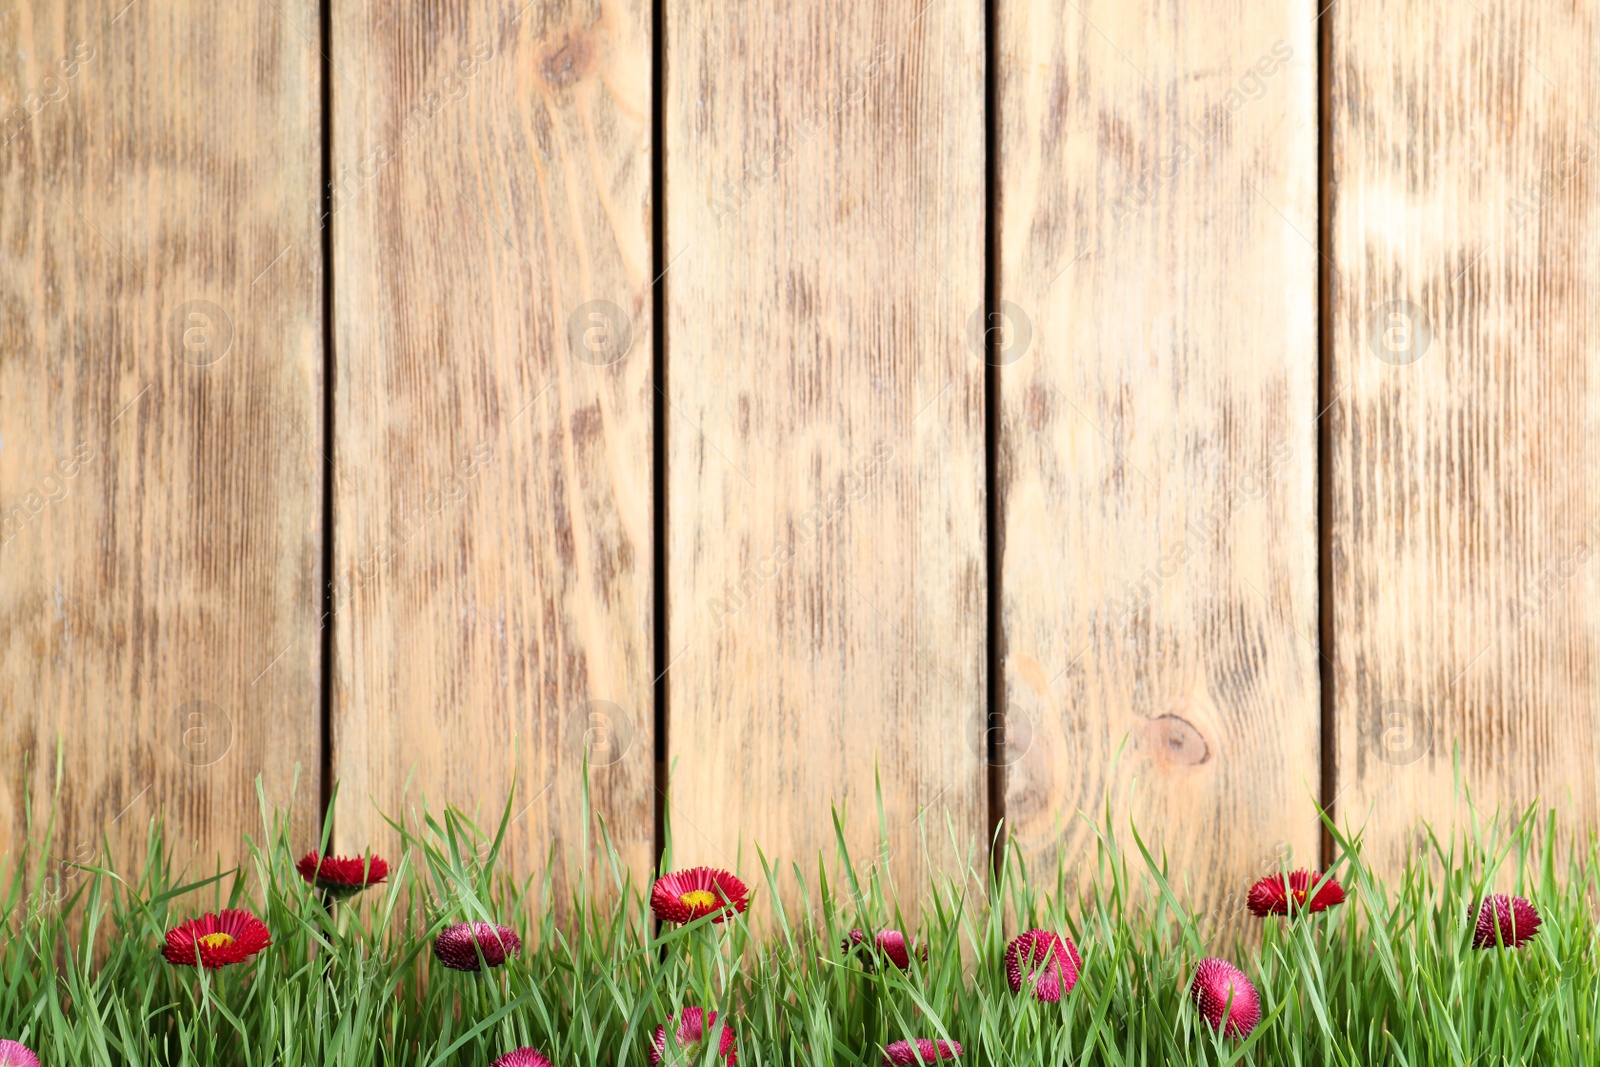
(699, 898)
(217, 940)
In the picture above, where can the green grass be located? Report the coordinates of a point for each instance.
(1389, 977)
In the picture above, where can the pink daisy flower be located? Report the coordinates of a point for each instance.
(523, 1057)
(890, 944)
(459, 945)
(683, 896)
(694, 1026)
(920, 1051)
(1276, 895)
(1513, 918)
(1046, 961)
(1216, 982)
(16, 1054)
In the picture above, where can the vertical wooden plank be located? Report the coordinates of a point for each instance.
(1464, 524)
(1157, 472)
(824, 236)
(160, 410)
(493, 418)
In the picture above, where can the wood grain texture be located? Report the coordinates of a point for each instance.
(1157, 464)
(1464, 525)
(160, 407)
(493, 508)
(824, 236)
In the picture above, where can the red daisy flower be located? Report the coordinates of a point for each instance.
(684, 896)
(340, 876)
(695, 1025)
(16, 1054)
(523, 1057)
(1046, 961)
(890, 944)
(920, 1051)
(1215, 983)
(1276, 895)
(216, 940)
(458, 945)
(1512, 918)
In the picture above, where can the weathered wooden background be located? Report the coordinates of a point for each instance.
(622, 371)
